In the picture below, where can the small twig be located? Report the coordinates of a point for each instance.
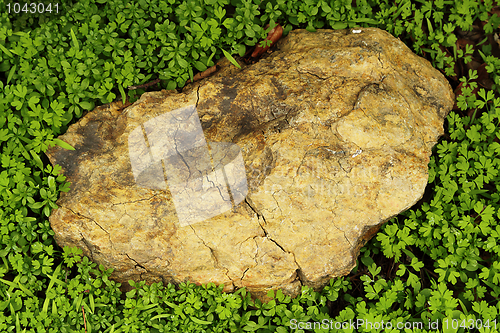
(274, 35)
(144, 85)
(84, 320)
(204, 74)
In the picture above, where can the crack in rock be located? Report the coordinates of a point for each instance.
(213, 255)
(254, 257)
(197, 95)
(136, 263)
(131, 202)
(380, 60)
(250, 204)
(313, 74)
(300, 275)
(243, 275)
(277, 203)
(343, 232)
(88, 218)
(88, 246)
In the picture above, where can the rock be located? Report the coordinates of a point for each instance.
(272, 176)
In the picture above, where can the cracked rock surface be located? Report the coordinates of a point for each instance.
(335, 129)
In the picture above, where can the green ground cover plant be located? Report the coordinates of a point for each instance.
(437, 263)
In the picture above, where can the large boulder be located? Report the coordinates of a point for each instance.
(272, 176)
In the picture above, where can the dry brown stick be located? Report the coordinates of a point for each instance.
(145, 85)
(206, 73)
(84, 320)
(274, 35)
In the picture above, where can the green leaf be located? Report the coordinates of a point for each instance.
(250, 33)
(75, 41)
(171, 85)
(21, 91)
(183, 63)
(46, 211)
(36, 247)
(200, 66)
(86, 105)
(52, 183)
(367, 261)
(311, 28)
(5, 135)
(63, 144)
(199, 321)
(92, 304)
(241, 49)
(78, 110)
(230, 58)
(33, 101)
(11, 73)
(36, 159)
(374, 269)
(122, 92)
(17, 104)
(37, 205)
(7, 52)
(336, 26)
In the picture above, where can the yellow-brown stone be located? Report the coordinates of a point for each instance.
(335, 129)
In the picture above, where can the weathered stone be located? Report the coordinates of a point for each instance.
(335, 129)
